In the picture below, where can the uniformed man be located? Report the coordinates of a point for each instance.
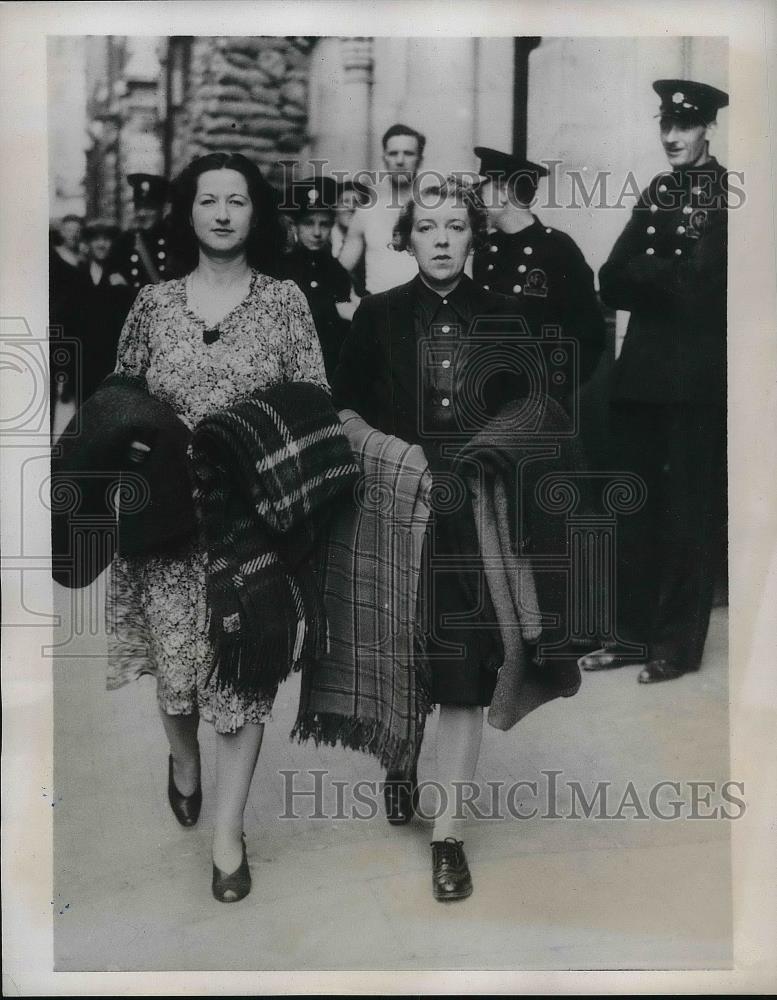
(142, 255)
(668, 416)
(540, 266)
(323, 279)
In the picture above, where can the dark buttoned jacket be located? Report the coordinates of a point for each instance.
(128, 261)
(381, 369)
(325, 282)
(548, 275)
(668, 269)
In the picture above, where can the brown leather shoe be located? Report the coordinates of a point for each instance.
(450, 872)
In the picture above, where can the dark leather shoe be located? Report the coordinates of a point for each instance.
(400, 794)
(186, 808)
(608, 658)
(659, 670)
(450, 872)
(235, 886)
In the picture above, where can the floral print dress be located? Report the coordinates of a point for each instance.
(157, 606)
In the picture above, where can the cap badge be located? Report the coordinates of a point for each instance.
(678, 97)
(312, 196)
(145, 187)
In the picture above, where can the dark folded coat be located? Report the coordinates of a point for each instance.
(92, 461)
(505, 450)
(268, 472)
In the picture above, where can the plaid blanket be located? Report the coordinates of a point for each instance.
(371, 690)
(267, 472)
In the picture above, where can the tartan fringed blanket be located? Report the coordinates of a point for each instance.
(371, 690)
(267, 473)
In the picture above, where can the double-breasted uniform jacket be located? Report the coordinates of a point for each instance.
(127, 257)
(546, 271)
(668, 268)
(668, 426)
(324, 282)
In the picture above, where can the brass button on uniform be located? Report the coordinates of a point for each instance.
(654, 208)
(490, 267)
(651, 230)
(133, 257)
(528, 250)
(445, 401)
(487, 288)
(680, 230)
(161, 255)
(678, 252)
(134, 271)
(650, 251)
(662, 188)
(446, 329)
(494, 248)
(687, 209)
(446, 363)
(517, 289)
(314, 284)
(521, 268)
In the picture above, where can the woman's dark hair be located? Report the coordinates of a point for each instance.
(268, 237)
(436, 194)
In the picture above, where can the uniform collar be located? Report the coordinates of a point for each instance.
(710, 168)
(521, 233)
(303, 252)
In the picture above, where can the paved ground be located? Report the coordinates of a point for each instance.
(132, 887)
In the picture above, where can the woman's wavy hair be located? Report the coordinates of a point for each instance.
(268, 237)
(434, 194)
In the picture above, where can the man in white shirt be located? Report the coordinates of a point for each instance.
(371, 230)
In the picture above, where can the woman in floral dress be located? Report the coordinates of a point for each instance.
(204, 342)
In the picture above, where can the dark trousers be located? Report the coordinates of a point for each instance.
(669, 551)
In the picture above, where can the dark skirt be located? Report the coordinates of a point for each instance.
(463, 644)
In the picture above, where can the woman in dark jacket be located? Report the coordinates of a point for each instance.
(431, 362)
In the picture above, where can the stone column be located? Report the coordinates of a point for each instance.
(356, 102)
